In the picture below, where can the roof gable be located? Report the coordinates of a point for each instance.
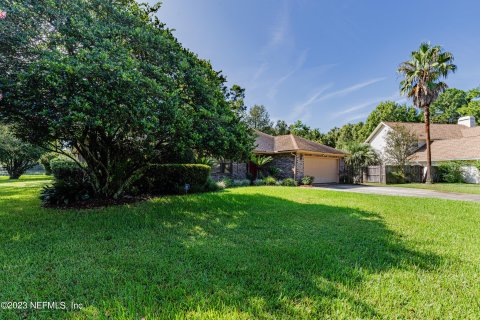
(266, 143)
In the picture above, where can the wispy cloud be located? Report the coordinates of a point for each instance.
(272, 92)
(260, 71)
(300, 108)
(318, 96)
(357, 117)
(281, 28)
(363, 105)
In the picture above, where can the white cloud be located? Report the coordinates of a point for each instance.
(272, 92)
(281, 29)
(365, 104)
(318, 96)
(357, 117)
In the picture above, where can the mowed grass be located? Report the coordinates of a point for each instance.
(256, 252)
(445, 187)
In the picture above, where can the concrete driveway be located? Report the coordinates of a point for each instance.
(402, 192)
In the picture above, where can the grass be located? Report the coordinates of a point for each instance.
(255, 252)
(445, 187)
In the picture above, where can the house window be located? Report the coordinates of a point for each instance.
(222, 167)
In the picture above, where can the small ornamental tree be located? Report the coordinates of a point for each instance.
(109, 80)
(16, 156)
(400, 144)
(360, 156)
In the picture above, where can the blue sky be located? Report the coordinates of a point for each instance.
(324, 62)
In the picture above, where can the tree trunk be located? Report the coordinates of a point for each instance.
(428, 179)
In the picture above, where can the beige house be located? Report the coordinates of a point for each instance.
(450, 142)
(296, 157)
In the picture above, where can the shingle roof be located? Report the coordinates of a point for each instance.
(467, 148)
(437, 131)
(276, 144)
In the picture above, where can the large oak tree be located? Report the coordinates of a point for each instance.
(110, 81)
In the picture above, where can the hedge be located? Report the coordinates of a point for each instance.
(172, 178)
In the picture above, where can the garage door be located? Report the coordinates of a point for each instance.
(323, 170)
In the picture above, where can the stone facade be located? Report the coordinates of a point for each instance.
(284, 162)
(238, 172)
(300, 167)
(291, 166)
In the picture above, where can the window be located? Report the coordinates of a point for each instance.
(222, 167)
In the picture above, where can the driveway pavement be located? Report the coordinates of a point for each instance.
(402, 192)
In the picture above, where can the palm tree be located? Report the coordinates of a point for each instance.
(422, 74)
(260, 161)
(360, 156)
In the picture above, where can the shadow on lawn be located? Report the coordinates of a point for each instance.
(259, 255)
(269, 254)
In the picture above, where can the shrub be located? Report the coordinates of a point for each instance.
(241, 183)
(289, 182)
(269, 181)
(451, 172)
(396, 176)
(259, 182)
(71, 184)
(45, 161)
(307, 180)
(227, 182)
(212, 186)
(172, 178)
(275, 172)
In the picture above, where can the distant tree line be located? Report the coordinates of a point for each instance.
(450, 105)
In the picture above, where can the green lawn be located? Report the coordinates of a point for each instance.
(256, 252)
(446, 187)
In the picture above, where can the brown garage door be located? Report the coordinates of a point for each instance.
(324, 170)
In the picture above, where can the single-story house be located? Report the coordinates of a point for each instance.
(450, 142)
(295, 156)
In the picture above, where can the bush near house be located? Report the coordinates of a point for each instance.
(307, 180)
(451, 172)
(289, 182)
(269, 181)
(172, 178)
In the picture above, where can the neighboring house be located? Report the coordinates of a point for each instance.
(450, 142)
(294, 156)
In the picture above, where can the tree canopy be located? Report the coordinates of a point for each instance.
(16, 156)
(110, 81)
(258, 118)
(454, 103)
(389, 111)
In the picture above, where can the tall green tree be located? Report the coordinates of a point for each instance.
(258, 118)
(388, 111)
(303, 130)
(331, 137)
(349, 133)
(472, 108)
(236, 97)
(281, 128)
(16, 156)
(454, 103)
(110, 81)
(422, 83)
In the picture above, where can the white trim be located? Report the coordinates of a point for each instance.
(375, 131)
